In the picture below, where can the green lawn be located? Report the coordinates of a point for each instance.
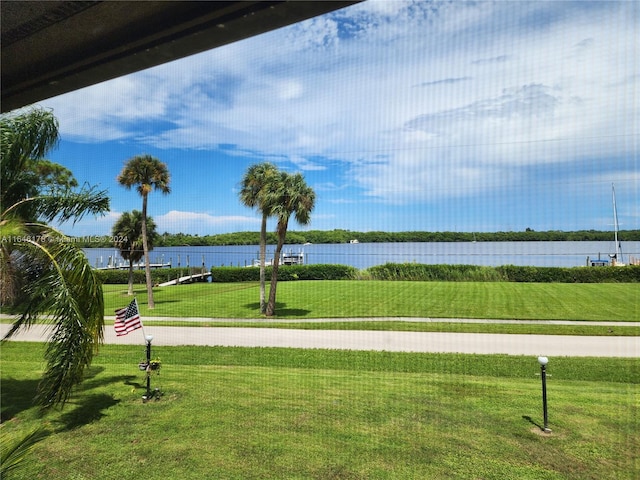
(348, 299)
(234, 413)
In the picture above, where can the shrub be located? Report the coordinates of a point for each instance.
(509, 273)
(285, 273)
(627, 274)
(158, 275)
(423, 272)
(396, 271)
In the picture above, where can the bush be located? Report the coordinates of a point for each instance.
(158, 275)
(396, 271)
(120, 276)
(235, 274)
(285, 273)
(443, 273)
(508, 273)
(627, 274)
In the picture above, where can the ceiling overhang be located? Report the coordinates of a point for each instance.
(53, 47)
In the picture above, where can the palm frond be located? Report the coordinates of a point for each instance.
(15, 451)
(29, 133)
(67, 204)
(70, 293)
(51, 275)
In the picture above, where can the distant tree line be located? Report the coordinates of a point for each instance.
(345, 236)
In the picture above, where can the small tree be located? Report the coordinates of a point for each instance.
(127, 234)
(289, 195)
(147, 174)
(254, 193)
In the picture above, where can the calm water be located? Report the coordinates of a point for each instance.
(364, 255)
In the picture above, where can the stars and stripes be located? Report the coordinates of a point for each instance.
(127, 319)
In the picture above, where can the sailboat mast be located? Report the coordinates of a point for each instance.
(615, 223)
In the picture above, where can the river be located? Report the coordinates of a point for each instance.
(364, 255)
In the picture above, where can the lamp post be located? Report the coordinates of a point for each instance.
(543, 374)
(148, 338)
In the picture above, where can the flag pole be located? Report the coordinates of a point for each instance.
(135, 299)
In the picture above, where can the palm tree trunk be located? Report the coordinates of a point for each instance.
(130, 289)
(145, 248)
(271, 305)
(263, 255)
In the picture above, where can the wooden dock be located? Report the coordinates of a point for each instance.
(196, 277)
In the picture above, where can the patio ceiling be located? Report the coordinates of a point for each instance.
(53, 47)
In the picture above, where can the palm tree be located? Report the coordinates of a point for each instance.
(289, 195)
(127, 232)
(41, 271)
(254, 194)
(147, 173)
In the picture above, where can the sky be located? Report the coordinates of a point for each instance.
(402, 116)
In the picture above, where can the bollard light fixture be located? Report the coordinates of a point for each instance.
(543, 361)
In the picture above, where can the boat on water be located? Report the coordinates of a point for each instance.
(116, 262)
(615, 259)
(286, 258)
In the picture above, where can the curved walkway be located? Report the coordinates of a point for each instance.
(437, 342)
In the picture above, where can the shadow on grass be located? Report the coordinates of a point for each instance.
(17, 396)
(533, 422)
(281, 310)
(134, 384)
(91, 379)
(89, 409)
(158, 302)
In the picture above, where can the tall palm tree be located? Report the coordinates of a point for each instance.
(290, 195)
(147, 174)
(41, 271)
(127, 232)
(254, 194)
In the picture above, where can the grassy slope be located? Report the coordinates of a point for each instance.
(284, 413)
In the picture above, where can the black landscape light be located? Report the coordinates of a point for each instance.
(543, 373)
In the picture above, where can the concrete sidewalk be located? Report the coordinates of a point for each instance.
(438, 342)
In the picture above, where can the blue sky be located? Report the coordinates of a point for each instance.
(479, 116)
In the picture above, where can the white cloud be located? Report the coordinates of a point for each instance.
(99, 225)
(419, 100)
(176, 221)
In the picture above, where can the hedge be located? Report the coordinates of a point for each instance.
(424, 272)
(505, 273)
(626, 274)
(158, 275)
(285, 273)
(396, 271)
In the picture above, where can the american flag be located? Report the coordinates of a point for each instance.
(127, 319)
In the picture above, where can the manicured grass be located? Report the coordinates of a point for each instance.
(357, 299)
(238, 413)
